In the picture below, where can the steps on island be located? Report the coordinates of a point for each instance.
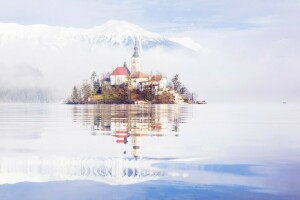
(178, 99)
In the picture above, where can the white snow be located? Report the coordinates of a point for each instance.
(112, 33)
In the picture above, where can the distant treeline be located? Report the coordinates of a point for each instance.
(24, 95)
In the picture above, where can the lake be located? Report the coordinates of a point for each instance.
(57, 151)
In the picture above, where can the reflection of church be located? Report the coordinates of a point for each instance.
(128, 124)
(122, 138)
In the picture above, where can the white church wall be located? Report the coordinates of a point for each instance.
(118, 79)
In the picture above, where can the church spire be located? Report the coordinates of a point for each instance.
(136, 60)
(136, 49)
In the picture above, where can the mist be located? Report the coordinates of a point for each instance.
(233, 66)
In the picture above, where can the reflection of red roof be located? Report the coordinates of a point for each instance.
(122, 141)
(121, 134)
(120, 71)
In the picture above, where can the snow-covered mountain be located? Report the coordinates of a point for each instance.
(113, 33)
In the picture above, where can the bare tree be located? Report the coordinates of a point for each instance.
(183, 90)
(86, 91)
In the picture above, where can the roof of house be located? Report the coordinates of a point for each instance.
(138, 74)
(121, 71)
(156, 77)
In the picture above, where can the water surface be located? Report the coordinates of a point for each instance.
(55, 151)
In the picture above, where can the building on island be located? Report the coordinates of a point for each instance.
(135, 78)
(119, 75)
(160, 81)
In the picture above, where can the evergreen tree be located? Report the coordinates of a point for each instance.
(96, 86)
(94, 77)
(75, 97)
(176, 83)
(95, 82)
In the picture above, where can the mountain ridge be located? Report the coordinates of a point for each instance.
(110, 34)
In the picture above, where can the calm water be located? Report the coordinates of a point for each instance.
(54, 151)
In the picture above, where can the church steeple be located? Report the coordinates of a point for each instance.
(135, 60)
(136, 48)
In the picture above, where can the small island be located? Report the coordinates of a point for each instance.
(124, 86)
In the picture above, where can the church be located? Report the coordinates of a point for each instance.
(135, 78)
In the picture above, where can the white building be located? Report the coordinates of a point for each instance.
(119, 75)
(160, 80)
(137, 78)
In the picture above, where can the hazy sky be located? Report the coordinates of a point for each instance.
(252, 47)
(155, 14)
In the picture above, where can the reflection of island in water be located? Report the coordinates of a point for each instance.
(127, 124)
(130, 123)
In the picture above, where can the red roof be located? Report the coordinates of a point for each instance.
(138, 74)
(120, 71)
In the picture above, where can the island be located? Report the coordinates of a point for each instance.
(124, 86)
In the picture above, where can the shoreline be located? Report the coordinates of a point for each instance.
(116, 102)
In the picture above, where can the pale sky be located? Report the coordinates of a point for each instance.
(155, 14)
(253, 46)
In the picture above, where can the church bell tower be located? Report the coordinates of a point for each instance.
(135, 60)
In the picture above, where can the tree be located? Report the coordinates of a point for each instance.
(148, 92)
(75, 96)
(123, 91)
(192, 97)
(165, 97)
(96, 86)
(95, 82)
(86, 91)
(176, 83)
(94, 77)
(183, 90)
